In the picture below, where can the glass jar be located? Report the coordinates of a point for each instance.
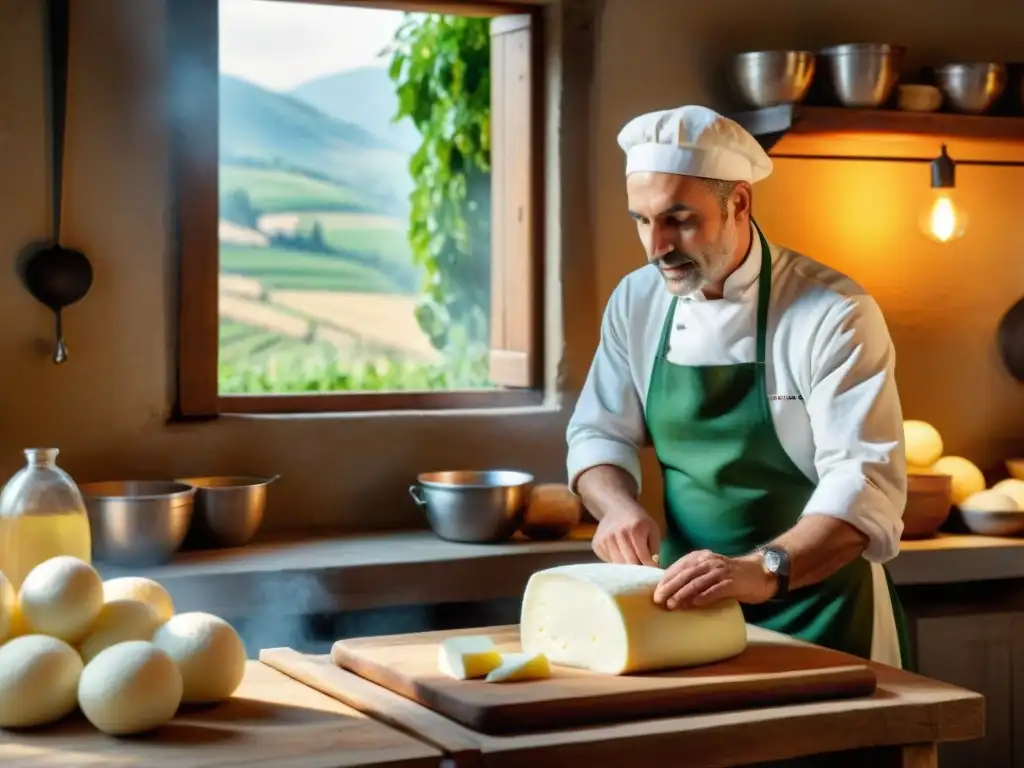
(42, 515)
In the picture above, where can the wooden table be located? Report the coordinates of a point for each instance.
(901, 725)
(271, 721)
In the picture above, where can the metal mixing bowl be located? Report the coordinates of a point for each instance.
(971, 87)
(228, 510)
(769, 78)
(472, 506)
(863, 74)
(137, 522)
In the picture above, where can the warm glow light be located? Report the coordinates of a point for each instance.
(944, 221)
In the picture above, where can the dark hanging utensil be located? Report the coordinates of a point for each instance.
(55, 275)
(1010, 338)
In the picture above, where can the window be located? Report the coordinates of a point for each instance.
(358, 205)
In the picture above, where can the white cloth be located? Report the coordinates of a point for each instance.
(830, 379)
(693, 141)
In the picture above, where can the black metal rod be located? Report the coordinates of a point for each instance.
(875, 159)
(57, 71)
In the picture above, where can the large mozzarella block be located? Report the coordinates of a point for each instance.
(516, 667)
(465, 658)
(602, 617)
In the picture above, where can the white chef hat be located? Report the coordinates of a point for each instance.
(693, 141)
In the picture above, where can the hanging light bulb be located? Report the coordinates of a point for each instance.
(944, 220)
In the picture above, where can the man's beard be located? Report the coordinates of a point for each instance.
(685, 273)
(681, 272)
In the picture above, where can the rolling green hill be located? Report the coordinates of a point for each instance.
(273, 191)
(330, 197)
(263, 128)
(364, 97)
(279, 268)
(258, 122)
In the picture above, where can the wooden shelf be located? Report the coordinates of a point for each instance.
(792, 130)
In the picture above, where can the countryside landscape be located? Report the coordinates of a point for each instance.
(318, 287)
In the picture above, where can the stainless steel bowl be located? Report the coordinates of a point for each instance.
(228, 510)
(972, 87)
(471, 506)
(863, 74)
(769, 78)
(137, 522)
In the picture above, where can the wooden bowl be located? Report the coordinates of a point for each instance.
(552, 513)
(1016, 468)
(929, 502)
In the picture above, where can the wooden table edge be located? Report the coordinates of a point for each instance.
(959, 716)
(404, 715)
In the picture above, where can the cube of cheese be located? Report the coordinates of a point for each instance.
(520, 666)
(602, 617)
(465, 658)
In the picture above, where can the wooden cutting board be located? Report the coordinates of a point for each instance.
(769, 673)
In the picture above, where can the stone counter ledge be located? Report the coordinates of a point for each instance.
(368, 571)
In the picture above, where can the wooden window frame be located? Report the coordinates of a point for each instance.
(193, 91)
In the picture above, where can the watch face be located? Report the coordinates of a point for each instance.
(772, 561)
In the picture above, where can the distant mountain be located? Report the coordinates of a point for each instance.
(260, 123)
(273, 128)
(364, 97)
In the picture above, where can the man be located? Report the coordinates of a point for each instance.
(765, 382)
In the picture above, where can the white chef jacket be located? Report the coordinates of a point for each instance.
(830, 380)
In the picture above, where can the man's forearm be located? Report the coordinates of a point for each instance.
(606, 487)
(818, 546)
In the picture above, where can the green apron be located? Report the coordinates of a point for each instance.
(730, 487)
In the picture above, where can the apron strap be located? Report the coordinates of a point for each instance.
(666, 327)
(764, 294)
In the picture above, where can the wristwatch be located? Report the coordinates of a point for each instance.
(776, 562)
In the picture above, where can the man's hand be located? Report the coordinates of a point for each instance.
(628, 535)
(702, 577)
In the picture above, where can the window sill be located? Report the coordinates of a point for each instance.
(361, 572)
(379, 402)
(539, 409)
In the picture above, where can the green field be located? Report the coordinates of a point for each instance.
(282, 269)
(372, 256)
(247, 345)
(300, 165)
(276, 191)
(384, 238)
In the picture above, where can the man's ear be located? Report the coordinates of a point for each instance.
(741, 200)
